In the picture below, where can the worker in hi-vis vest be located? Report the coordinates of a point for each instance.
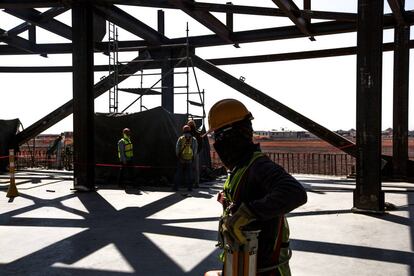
(185, 150)
(257, 194)
(125, 155)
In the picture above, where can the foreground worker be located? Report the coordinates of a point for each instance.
(257, 193)
(125, 155)
(185, 149)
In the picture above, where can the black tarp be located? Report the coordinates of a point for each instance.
(154, 134)
(8, 130)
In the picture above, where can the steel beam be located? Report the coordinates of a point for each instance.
(131, 24)
(83, 98)
(238, 9)
(269, 34)
(167, 70)
(5, 4)
(307, 7)
(32, 34)
(291, 10)
(17, 42)
(397, 7)
(400, 102)
(43, 17)
(204, 18)
(274, 105)
(156, 64)
(368, 196)
(35, 17)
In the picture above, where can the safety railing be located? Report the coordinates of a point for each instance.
(307, 163)
(41, 159)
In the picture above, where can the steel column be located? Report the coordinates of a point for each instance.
(400, 103)
(83, 96)
(368, 196)
(167, 71)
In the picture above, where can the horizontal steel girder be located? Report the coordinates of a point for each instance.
(156, 64)
(274, 105)
(269, 34)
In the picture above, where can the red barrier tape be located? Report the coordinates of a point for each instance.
(3, 157)
(125, 166)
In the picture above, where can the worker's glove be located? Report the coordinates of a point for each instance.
(233, 224)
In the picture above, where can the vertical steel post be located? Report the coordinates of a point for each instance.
(368, 196)
(229, 18)
(83, 96)
(32, 34)
(400, 100)
(167, 81)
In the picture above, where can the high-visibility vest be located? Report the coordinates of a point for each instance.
(281, 251)
(128, 149)
(186, 148)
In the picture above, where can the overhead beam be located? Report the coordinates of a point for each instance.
(34, 17)
(17, 42)
(44, 16)
(259, 35)
(5, 4)
(237, 9)
(274, 105)
(291, 10)
(131, 24)
(335, 52)
(397, 7)
(205, 18)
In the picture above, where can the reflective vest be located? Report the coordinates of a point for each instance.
(281, 251)
(186, 151)
(128, 149)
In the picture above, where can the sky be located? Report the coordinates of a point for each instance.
(322, 89)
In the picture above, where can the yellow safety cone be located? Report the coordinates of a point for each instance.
(12, 190)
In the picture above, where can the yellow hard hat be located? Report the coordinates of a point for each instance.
(226, 112)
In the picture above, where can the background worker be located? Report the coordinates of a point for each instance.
(196, 164)
(185, 150)
(257, 193)
(125, 155)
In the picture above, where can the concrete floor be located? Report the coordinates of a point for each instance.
(50, 230)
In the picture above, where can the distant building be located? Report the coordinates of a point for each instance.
(387, 133)
(347, 133)
(262, 133)
(283, 134)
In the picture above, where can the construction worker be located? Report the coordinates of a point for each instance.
(196, 164)
(125, 155)
(257, 193)
(185, 150)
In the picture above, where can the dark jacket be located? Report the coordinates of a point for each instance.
(197, 134)
(269, 192)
